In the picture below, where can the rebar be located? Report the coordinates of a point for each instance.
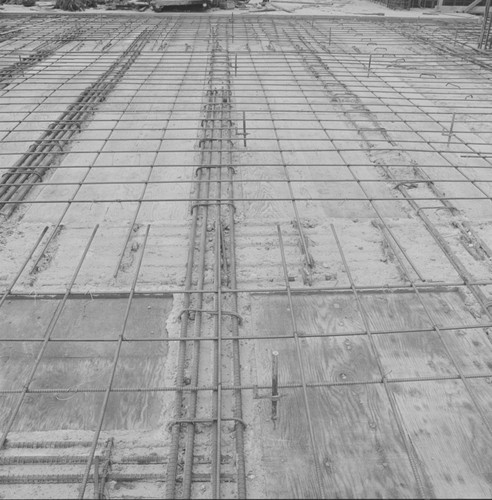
(36, 161)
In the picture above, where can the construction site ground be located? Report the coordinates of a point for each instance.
(189, 200)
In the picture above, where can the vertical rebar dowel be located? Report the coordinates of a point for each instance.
(451, 128)
(235, 65)
(96, 477)
(369, 65)
(455, 36)
(329, 37)
(244, 128)
(274, 384)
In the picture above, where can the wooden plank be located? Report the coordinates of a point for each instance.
(25, 318)
(452, 442)
(471, 349)
(415, 354)
(482, 390)
(103, 318)
(85, 318)
(325, 358)
(423, 353)
(68, 365)
(358, 446)
(404, 355)
(67, 410)
(335, 359)
(314, 314)
(339, 359)
(286, 453)
(287, 457)
(404, 310)
(394, 311)
(419, 354)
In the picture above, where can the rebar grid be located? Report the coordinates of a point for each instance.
(403, 101)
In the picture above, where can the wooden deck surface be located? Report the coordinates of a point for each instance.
(358, 447)
(82, 365)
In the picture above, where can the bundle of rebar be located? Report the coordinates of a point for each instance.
(45, 152)
(215, 168)
(44, 50)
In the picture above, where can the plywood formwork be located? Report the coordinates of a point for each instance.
(183, 196)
